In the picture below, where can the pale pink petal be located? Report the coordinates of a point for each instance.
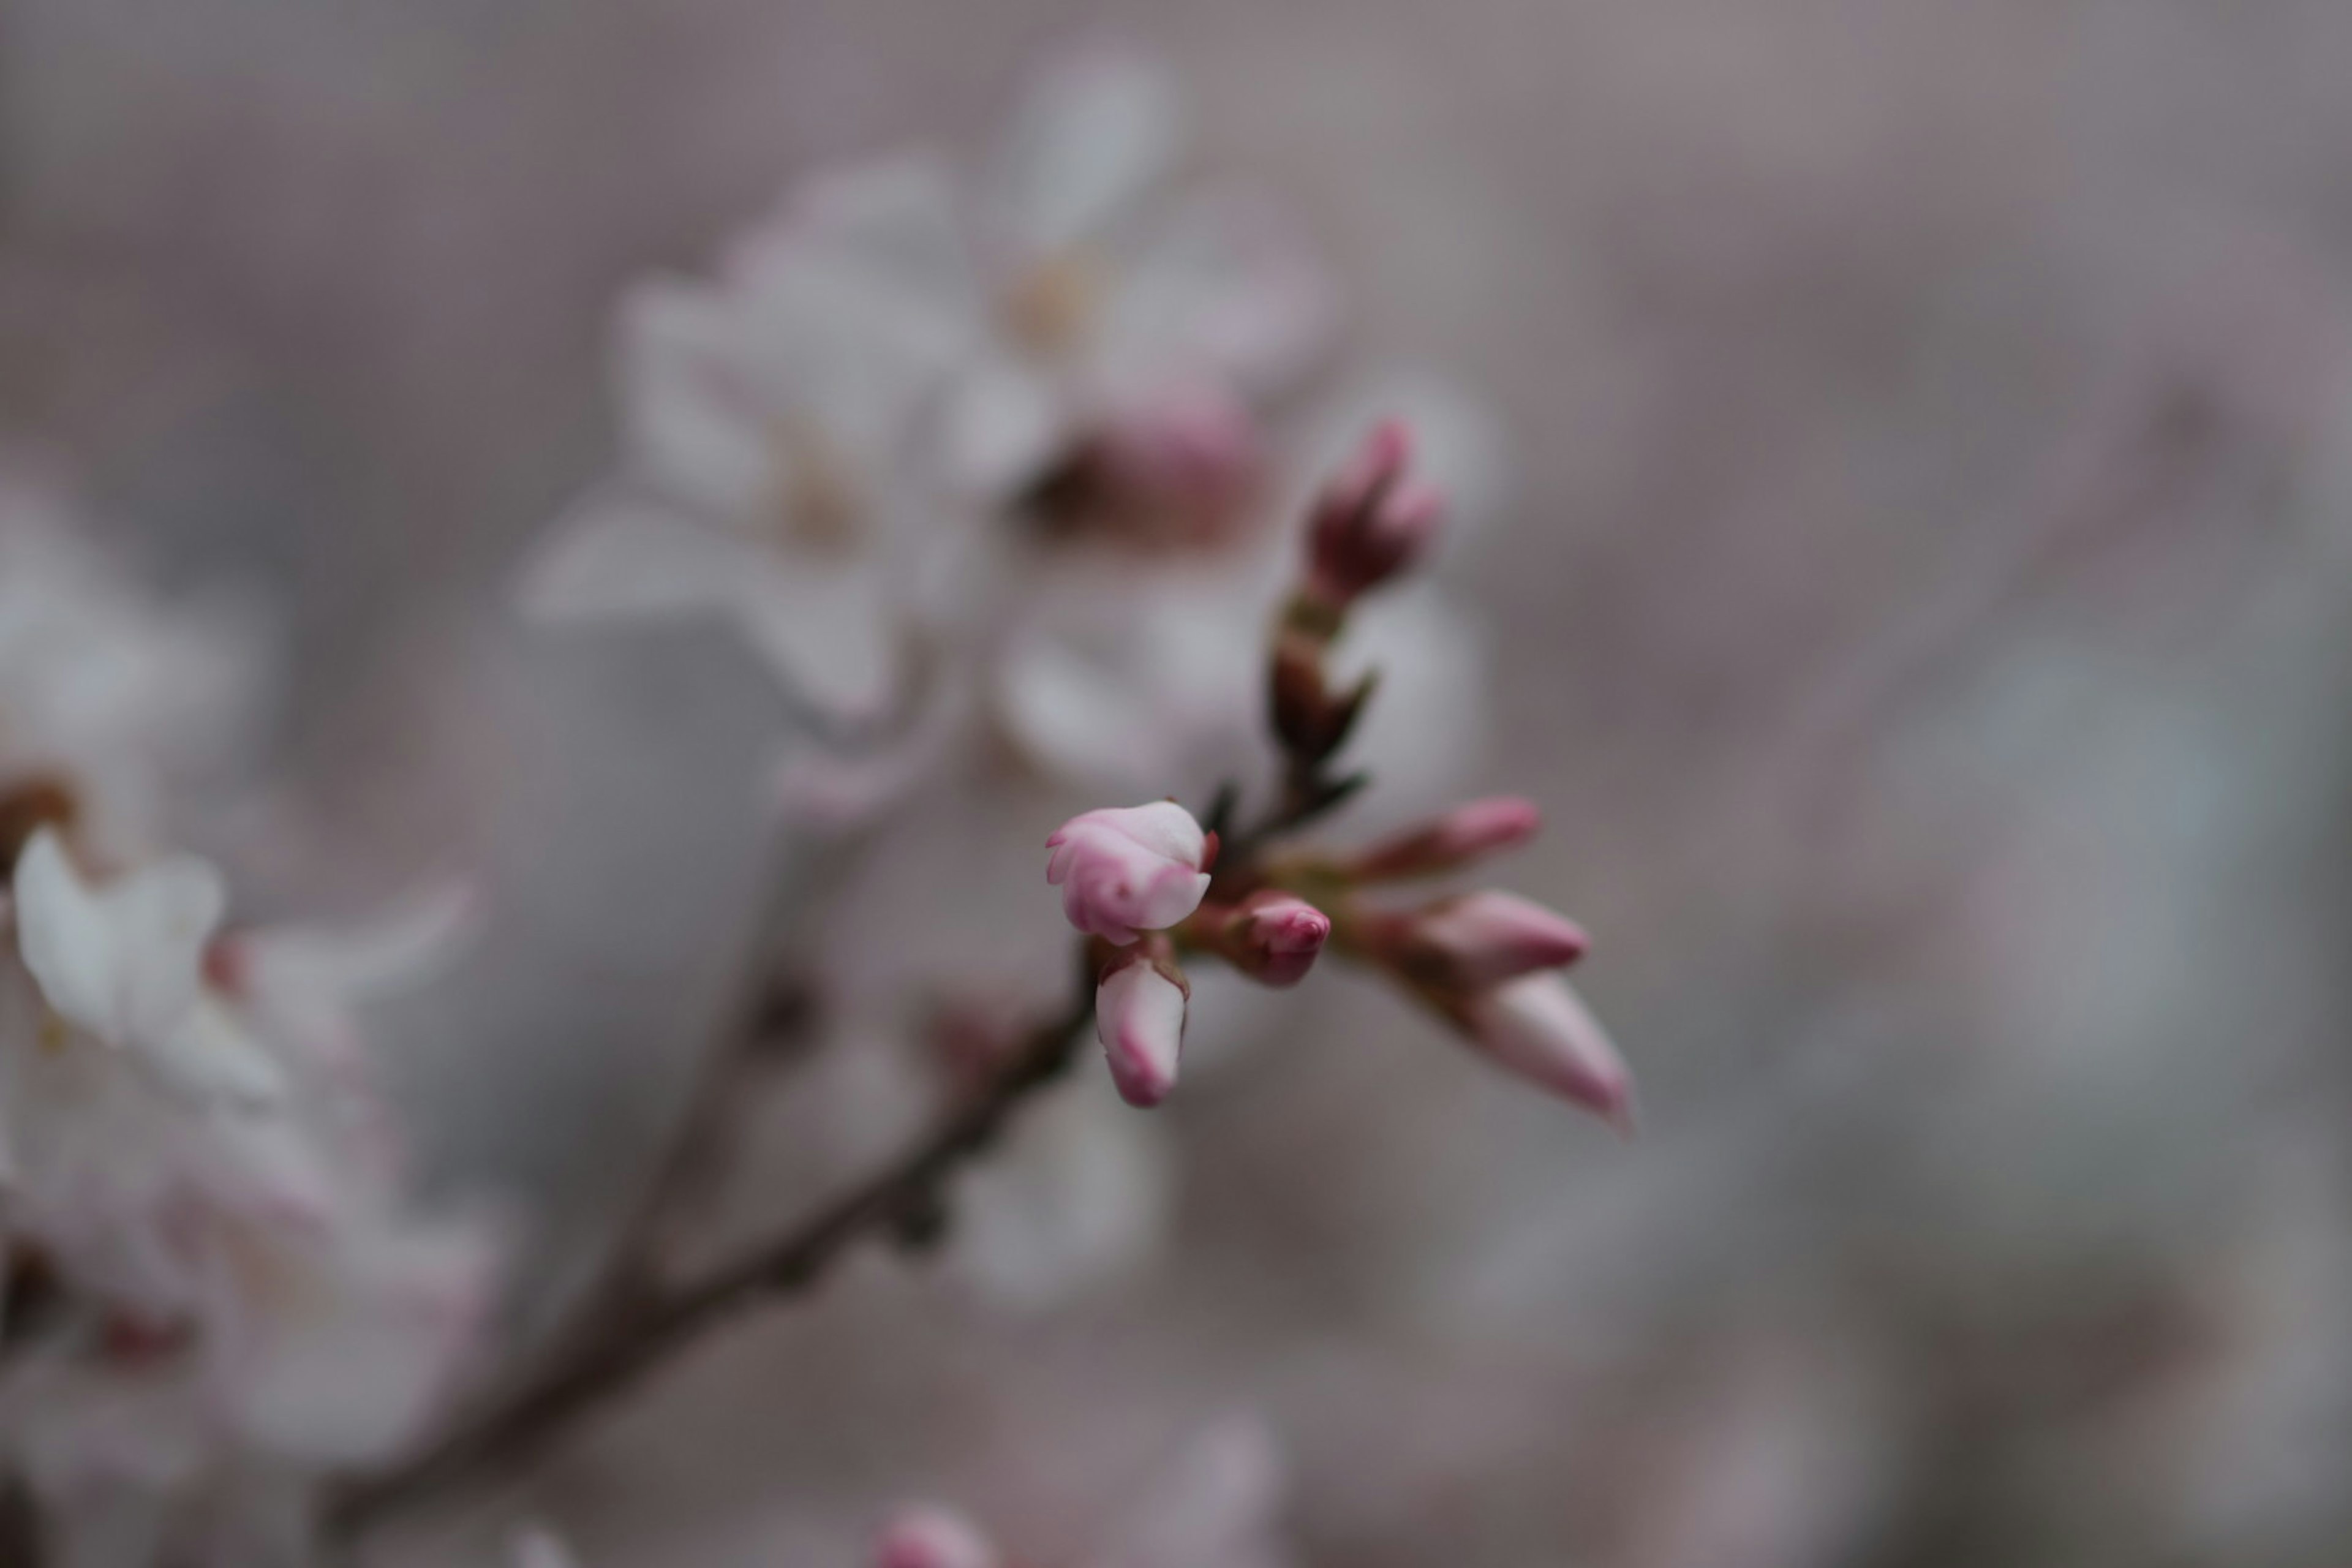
(1227, 290)
(1539, 1029)
(119, 961)
(616, 554)
(830, 630)
(697, 415)
(1139, 1018)
(1488, 937)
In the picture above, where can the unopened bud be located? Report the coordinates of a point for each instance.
(1466, 833)
(1139, 1003)
(1125, 871)
(1273, 937)
(1540, 1029)
(1486, 938)
(928, 1537)
(1372, 520)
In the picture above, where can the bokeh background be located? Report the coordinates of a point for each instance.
(1921, 610)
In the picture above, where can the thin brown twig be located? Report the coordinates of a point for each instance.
(634, 1319)
(589, 1370)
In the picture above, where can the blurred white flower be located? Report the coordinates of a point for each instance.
(1134, 342)
(123, 964)
(1125, 674)
(768, 472)
(103, 694)
(230, 1287)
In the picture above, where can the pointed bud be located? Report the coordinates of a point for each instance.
(1125, 871)
(1273, 937)
(1539, 1029)
(1372, 520)
(1139, 1004)
(1466, 833)
(1483, 938)
(928, 1537)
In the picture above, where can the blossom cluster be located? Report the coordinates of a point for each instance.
(992, 465)
(214, 1290)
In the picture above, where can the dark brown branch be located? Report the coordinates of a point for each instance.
(589, 1370)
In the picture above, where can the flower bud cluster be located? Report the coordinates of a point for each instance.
(1135, 881)
(1490, 962)
(1144, 882)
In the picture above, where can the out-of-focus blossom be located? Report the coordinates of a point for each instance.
(1140, 1005)
(234, 1289)
(929, 1536)
(1120, 676)
(1540, 1029)
(123, 963)
(1130, 869)
(103, 695)
(1131, 346)
(769, 472)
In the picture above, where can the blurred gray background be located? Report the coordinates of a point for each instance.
(1922, 615)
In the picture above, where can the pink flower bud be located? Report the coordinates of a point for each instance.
(1139, 1017)
(1537, 1028)
(1371, 521)
(928, 1537)
(1469, 831)
(1125, 871)
(1483, 938)
(1274, 937)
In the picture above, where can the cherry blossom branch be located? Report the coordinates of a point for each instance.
(1145, 885)
(632, 1320)
(904, 1198)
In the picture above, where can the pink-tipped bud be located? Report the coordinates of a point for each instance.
(1274, 936)
(1131, 870)
(928, 1537)
(1539, 1029)
(1467, 833)
(1372, 520)
(1139, 1004)
(1483, 938)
